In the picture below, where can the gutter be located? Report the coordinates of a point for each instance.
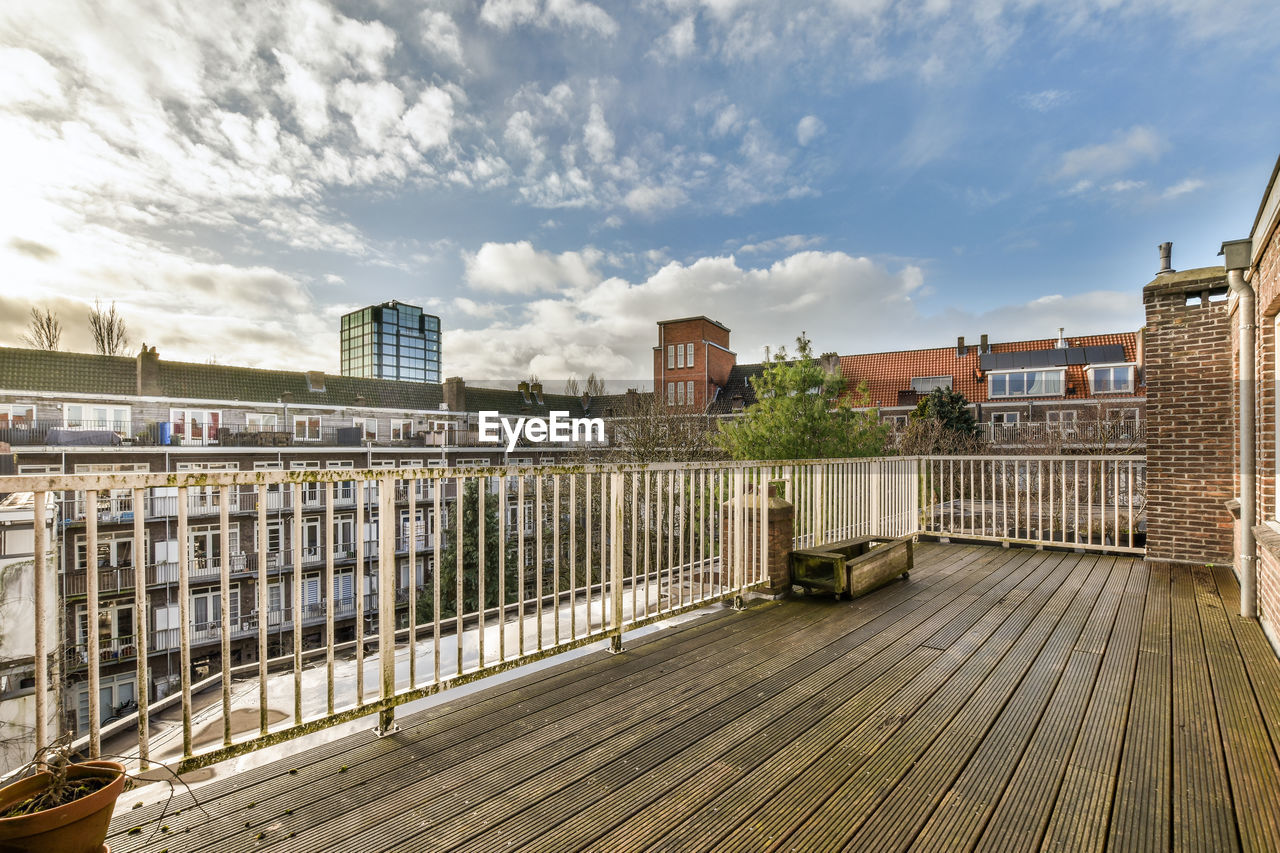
(1238, 258)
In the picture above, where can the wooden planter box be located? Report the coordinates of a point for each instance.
(852, 567)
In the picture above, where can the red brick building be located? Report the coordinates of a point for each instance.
(691, 361)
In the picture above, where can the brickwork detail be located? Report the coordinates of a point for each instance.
(1266, 281)
(1190, 427)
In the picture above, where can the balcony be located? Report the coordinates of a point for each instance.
(1119, 436)
(1000, 696)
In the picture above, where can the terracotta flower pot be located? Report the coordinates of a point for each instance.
(77, 827)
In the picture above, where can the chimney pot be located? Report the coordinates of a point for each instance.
(961, 349)
(1166, 259)
(984, 347)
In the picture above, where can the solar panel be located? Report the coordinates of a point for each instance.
(1037, 358)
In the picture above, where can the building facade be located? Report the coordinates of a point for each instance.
(77, 413)
(391, 341)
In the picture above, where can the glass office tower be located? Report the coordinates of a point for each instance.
(391, 341)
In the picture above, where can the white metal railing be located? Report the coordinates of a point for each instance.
(608, 548)
(1086, 502)
(510, 564)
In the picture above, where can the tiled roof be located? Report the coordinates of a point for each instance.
(738, 384)
(73, 372)
(84, 373)
(887, 373)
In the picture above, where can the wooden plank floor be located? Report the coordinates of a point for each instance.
(998, 700)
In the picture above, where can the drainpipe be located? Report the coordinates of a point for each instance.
(1238, 257)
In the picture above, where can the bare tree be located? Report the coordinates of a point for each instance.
(572, 388)
(595, 386)
(648, 431)
(110, 334)
(44, 330)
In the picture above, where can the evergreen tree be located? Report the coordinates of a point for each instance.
(801, 412)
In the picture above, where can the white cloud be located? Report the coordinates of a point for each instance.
(1189, 185)
(787, 243)
(677, 43)
(809, 128)
(652, 199)
(1136, 145)
(727, 121)
(440, 35)
(569, 14)
(27, 79)
(597, 136)
(1045, 100)
(430, 121)
(520, 268)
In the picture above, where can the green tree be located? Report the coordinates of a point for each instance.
(467, 510)
(944, 423)
(801, 412)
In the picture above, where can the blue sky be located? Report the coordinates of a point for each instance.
(554, 176)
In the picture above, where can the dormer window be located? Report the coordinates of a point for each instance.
(1027, 383)
(1111, 379)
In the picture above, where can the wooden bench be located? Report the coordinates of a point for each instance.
(851, 567)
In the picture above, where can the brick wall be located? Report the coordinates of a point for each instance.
(1266, 282)
(1190, 427)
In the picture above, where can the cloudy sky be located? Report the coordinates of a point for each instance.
(554, 176)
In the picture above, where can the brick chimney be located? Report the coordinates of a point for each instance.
(830, 362)
(148, 372)
(455, 394)
(536, 390)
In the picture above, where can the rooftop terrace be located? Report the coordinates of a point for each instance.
(999, 699)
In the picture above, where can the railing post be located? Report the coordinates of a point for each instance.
(615, 558)
(387, 603)
(41, 650)
(184, 619)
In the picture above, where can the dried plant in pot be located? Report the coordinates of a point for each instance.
(59, 804)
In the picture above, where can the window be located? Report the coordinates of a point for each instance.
(114, 551)
(1027, 383)
(1111, 380)
(680, 393)
(897, 421)
(925, 384)
(671, 357)
(1066, 417)
(260, 422)
(89, 416)
(368, 428)
(306, 427)
(679, 355)
(195, 426)
(1004, 417)
(689, 392)
(17, 416)
(688, 359)
(671, 393)
(401, 429)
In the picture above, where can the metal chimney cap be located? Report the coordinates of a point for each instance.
(1238, 254)
(1166, 259)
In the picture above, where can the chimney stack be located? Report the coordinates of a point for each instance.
(455, 394)
(1166, 259)
(985, 347)
(830, 362)
(536, 390)
(961, 349)
(148, 372)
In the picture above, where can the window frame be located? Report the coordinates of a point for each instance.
(992, 376)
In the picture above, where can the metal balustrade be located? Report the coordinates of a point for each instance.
(509, 565)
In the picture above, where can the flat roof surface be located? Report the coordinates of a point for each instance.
(999, 699)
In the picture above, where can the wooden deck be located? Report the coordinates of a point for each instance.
(999, 700)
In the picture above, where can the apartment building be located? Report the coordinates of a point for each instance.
(391, 341)
(79, 413)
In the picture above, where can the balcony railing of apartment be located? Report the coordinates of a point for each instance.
(610, 548)
(1117, 435)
